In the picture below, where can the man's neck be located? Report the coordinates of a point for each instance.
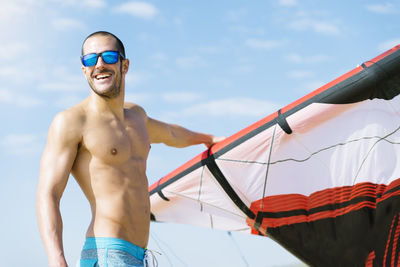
(103, 104)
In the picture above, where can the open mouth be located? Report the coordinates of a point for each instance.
(102, 76)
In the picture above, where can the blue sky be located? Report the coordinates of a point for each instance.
(211, 66)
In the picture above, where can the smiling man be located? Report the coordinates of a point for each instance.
(104, 142)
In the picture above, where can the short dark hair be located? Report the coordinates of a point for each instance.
(120, 45)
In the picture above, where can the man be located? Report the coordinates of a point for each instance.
(104, 143)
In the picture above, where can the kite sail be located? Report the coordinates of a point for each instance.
(320, 176)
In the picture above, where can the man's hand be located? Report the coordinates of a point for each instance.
(214, 140)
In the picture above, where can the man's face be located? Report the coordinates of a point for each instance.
(104, 79)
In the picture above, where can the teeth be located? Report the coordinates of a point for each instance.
(102, 76)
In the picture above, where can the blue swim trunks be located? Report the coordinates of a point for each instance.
(111, 252)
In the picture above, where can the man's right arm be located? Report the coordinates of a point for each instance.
(55, 167)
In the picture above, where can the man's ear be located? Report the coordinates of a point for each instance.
(84, 70)
(125, 66)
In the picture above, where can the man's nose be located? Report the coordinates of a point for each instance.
(100, 62)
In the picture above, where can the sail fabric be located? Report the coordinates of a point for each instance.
(320, 176)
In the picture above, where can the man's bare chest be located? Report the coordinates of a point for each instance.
(113, 141)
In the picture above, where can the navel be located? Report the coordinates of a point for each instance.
(114, 151)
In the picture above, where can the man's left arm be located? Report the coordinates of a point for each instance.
(172, 134)
(177, 136)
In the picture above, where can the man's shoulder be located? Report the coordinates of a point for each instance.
(132, 107)
(71, 119)
(74, 113)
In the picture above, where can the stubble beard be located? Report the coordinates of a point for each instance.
(113, 91)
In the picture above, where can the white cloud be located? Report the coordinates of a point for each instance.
(134, 77)
(287, 2)
(190, 61)
(22, 75)
(67, 101)
(11, 9)
(177, 21)
(294, 58)
(299, 59)
(13, 50)
(20, 144)
(208, 49)
(94, 3)
(318, 26)
(15, 16)
(61, 86)
(17, 140)
(19, 99)
(247, 30)
(62, 79)
(82, 3)
(138, 9)
(65, 24)
(159, 57)
(138, 98)
(384, 46)
(240, 106)
(181, 97)
(28, 101)
(146, 37)
(301, 74)
(236, 15)
(5, 96)
(386, 8)
(263, 44)
(10, 71)
(160, 60)
(243, 68)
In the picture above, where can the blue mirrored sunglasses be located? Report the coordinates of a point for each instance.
(109, 57)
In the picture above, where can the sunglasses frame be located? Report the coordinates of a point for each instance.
(102, 57)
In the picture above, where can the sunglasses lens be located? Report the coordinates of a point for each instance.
(89, 60)
(110, 57)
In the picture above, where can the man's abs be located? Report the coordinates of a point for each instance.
(121, 217)
(118, 196)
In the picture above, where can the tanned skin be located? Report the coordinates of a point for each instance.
(104, 142)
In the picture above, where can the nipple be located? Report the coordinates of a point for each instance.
(114, 151)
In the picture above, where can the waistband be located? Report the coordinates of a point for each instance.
(114, 243)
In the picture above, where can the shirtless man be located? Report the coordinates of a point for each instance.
(104, 143)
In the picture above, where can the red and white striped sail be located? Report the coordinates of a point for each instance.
(320, 176)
